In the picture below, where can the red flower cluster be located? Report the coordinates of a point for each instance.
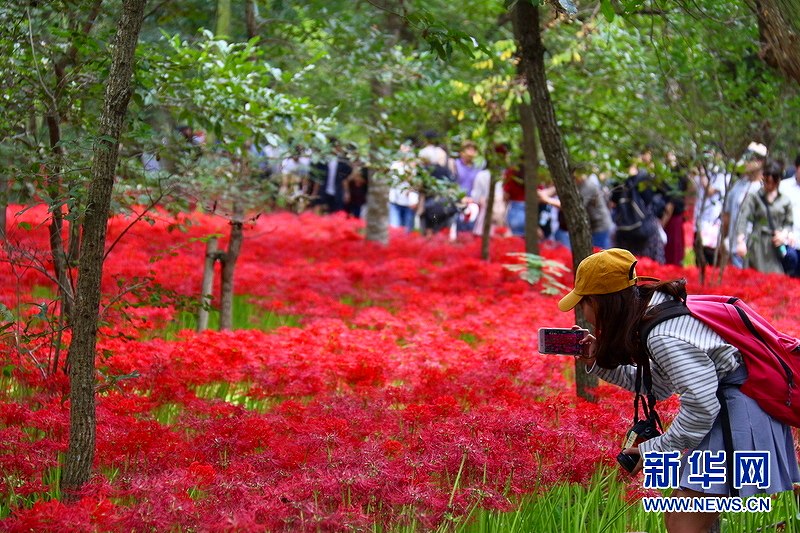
(412, 388)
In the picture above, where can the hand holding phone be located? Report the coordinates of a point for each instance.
(563, 341)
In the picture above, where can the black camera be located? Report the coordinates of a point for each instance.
(641, 431)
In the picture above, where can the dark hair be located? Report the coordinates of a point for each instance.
(774, 170)
(501, 148)
(797, 161)
(619, 317)
(580, 168)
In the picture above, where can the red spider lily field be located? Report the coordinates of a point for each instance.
(369, 387)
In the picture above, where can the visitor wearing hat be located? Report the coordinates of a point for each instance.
(685, 357)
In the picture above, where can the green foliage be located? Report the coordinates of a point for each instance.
(535, 268)
(245, 316)
(230, 91)
(228, 88)
(610, 8)
(12, 498)
(604, 505)
(6, 318)
(441, 37)
(600, 506)
(675, 77)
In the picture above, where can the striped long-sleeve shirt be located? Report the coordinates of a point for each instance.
(687, 358)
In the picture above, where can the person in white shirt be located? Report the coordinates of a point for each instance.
(432, 152)
(708, 209)
(791, 188)
(295, 179)
(480, 195)
(403, 199)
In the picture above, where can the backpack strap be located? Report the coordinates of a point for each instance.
(727, 438)
(654, 316)
(658, 314)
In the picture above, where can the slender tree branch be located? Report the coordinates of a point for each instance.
(139, 216)
(119, 296)
(156, 8)
(72, 53)
(46, 90)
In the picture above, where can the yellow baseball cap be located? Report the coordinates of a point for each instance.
(602, 273)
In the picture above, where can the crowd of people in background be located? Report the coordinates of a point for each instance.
(745, 215)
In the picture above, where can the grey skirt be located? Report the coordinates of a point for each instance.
(752, 430)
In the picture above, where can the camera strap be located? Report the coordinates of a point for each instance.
(771, 224)
(649, 405)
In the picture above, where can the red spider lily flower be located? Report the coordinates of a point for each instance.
(397, 370)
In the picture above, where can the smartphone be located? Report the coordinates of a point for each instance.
(562, 341)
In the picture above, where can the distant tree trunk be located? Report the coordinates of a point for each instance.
(250, 18)
(74, 247)
(63, 256)
(486, 230)
(779, 33)
(66, 296)
(530, 160)
(377, 229)
(223, 22)
(53, 180)
(377, 219)
(228, 261)
(555, 153)
(80, 453)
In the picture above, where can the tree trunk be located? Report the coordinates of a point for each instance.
(74, 243)
(530, 161)
(377, 229)
(250, 18)
(486, 231)
(53, 180)
(377, 219)
(229, 266)
(207, 289)
(80, 453)
(779, 33)
(64, 258)
(66, 296)
(531, 49)
(223, 23)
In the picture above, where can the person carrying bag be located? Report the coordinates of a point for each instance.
(787, 255)
(686, 357)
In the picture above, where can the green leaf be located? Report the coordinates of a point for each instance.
(5, 314)
(607, 9)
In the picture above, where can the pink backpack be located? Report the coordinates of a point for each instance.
(772, 358)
